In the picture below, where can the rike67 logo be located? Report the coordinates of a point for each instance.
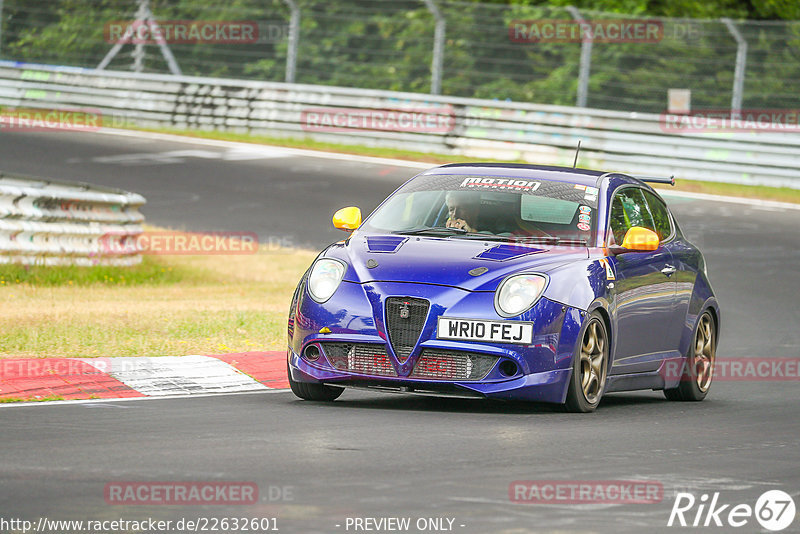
(774, 510)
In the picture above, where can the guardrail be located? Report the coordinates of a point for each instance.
(635, 143)
(46, 222)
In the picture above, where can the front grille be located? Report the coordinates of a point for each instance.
(453, 365)
(405, 318)
(364, 358)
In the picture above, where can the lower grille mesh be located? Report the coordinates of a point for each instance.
(452, 365)
(433, 364)
(365, 358)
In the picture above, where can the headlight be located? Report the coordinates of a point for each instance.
(325, 277)
(518, 293)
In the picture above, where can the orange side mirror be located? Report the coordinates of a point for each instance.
(347, 219)
(641, 239)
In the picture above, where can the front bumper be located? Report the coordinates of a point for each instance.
(540, 370)
(547, 386)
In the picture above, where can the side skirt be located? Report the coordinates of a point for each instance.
(668, 375)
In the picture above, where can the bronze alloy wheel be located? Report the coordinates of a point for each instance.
(704, 353)
(594, 353)
(699, 368)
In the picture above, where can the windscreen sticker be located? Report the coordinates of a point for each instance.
(579, 186)
(501, 183)
(609, 270)
(584, 218)
(591, 194)
(585, 209)
(583, 226)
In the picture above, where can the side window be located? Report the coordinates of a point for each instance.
(628, 209)
(660, 215)
(619, 222)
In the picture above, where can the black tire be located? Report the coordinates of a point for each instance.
(698, 367)
(313, 392)
(589, 366)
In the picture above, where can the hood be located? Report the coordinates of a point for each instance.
(473, 265)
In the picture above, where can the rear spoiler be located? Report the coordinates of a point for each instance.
(657, 180)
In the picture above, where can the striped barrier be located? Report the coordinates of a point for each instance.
(46, 222)
(636, 143)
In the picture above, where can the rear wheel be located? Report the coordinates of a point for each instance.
(314, 392)
(588, 379)
(698, 371)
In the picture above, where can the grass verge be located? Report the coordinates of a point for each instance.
(150, 272)
(782, 194)
(167, 306)
(7, 400)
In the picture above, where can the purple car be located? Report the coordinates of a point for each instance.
(513, 282)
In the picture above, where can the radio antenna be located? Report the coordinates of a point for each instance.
(577, 151)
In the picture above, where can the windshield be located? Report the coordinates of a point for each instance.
(481, 207)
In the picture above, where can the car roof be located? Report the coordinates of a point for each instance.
(585, 177)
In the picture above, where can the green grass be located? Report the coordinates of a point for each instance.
(171, 332)
(310, 144)
(168, 306)
(783, 194)
(152, 271)
(6, 400)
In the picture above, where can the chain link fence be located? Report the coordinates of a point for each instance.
(535, 54)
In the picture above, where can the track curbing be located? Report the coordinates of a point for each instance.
(131, 377)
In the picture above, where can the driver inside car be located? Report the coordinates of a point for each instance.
(462, 210)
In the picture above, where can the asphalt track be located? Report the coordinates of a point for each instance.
(370, 455)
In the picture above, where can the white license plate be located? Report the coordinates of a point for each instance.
(491, 331)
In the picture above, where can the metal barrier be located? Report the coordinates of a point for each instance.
(630, 142)
(45, 222)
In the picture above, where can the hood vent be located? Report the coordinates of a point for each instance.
(386, 244)
(507, 252)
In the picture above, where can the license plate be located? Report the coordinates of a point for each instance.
(490, 331)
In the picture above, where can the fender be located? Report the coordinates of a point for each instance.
(702, 299)
(579, 284)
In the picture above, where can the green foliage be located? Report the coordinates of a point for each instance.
(383, 44)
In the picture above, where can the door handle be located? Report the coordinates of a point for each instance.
(669, 270)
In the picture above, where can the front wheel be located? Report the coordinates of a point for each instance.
(698, 371)
(313, 392)
(588, 379)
